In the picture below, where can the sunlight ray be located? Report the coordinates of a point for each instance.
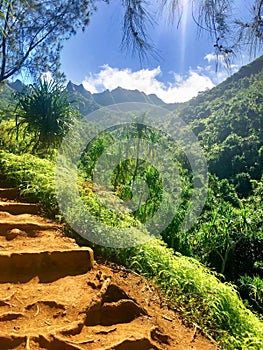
(183, 29)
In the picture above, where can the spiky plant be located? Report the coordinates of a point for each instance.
(44, 110)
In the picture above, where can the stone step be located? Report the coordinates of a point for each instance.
(48, 266)
(16, 240)
(9, 193)
(29, 227)
(19, 208)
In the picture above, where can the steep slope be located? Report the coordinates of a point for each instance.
(228, 121)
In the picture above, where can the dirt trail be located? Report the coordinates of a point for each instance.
(53, 296)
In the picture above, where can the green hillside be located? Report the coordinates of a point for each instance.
(228, 121)
(7, 101)
(209, 101)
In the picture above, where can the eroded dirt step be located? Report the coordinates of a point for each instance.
(9, 193)
(23, 241)
(16, 208)
(29, 223)
(21, 267)
(29, 227)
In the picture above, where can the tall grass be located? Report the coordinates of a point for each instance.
(203, 299)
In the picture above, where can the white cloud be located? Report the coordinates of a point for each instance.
(47, 76)
(219, 69)
(90, 85)
(212, 57)
(181, 89)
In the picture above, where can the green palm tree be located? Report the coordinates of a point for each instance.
(44, 110)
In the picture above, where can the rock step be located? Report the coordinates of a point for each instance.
(19, 208)
(48, 266)
(9, 193)
(16, 240)
(28, 227)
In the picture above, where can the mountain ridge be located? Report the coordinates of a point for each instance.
(89, 102)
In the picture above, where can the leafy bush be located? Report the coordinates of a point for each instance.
(251, 288)
(18, 144)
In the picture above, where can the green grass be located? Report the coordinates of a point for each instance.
(33, 176)
(213, 305)
(203, 299)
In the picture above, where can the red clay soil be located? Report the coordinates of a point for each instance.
(53, 296)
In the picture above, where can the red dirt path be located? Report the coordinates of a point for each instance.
(53, 296)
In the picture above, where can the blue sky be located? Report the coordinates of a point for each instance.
(186, 63)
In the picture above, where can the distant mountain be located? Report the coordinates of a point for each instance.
(121, 95)
(87, 102)
(90, 102)
(17, 85)
(82, 98)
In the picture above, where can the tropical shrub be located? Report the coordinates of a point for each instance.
(44, 109)
(251, 289)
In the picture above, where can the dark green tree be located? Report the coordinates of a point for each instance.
(32, 33)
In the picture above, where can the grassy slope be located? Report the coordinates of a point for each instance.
(213, 305)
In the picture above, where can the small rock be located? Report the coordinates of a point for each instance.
(12, 234)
